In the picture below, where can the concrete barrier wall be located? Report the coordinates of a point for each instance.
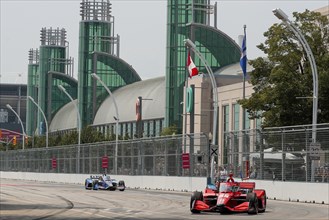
(289, 191)
(296, 191)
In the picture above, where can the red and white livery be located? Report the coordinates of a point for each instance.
(228, 197)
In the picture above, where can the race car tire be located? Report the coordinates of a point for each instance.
(86, 185)
(95, 182)
(122, 184)
(262, 204)
(253, 203)
(195, 197)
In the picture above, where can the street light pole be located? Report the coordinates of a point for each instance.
(43, 114)
(210, 159)
(95, 76)
(79, 124)
(20, 121)
(282, 16)
(192, 46)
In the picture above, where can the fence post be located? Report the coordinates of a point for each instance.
(283, 166)
(261, 157)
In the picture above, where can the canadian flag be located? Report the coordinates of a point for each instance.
(191, 66)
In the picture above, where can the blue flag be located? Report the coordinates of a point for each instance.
(243, 59)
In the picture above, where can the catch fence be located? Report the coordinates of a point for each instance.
(282, 154)
(146, 156)
(285, 153)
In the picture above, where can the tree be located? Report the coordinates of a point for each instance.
(284, 77)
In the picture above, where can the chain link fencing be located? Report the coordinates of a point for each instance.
(283, 154)
(152, 156)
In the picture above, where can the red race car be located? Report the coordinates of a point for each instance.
(229, 197)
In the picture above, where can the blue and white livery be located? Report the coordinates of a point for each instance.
(104, 182)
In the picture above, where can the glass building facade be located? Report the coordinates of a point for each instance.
(190, 19)
(32, 90)
(57, 99)
(52, 59)
(48, 67)
(99, 53)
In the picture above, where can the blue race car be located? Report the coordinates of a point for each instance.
(104, 182)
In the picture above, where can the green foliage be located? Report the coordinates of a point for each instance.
(126, 137)
(2, 147)
(28, 144)
(69, 138)
(110, 137)
(285, 74)
(39, 141)
(88, 135)
(56, 140)
(169, 130)
(91, 135)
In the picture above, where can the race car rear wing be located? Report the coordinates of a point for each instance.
(94, 177)
(247, 185)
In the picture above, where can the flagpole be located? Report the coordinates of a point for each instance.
(244, 86)
(244, 166)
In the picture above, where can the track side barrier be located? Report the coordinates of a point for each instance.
(287, 191)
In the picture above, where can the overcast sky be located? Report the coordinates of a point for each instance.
(140, 24)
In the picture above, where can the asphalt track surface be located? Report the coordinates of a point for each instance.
(41, 200)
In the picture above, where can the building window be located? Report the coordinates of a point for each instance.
(236, 113)
(146, 132)
(157, 127)
(3, 116)
(128, 131)
(134, 130)
(112, 129)
(258, 121)
(226, 118)
(122, 129)
(247, 120)
(151, 128)
(226, 124)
